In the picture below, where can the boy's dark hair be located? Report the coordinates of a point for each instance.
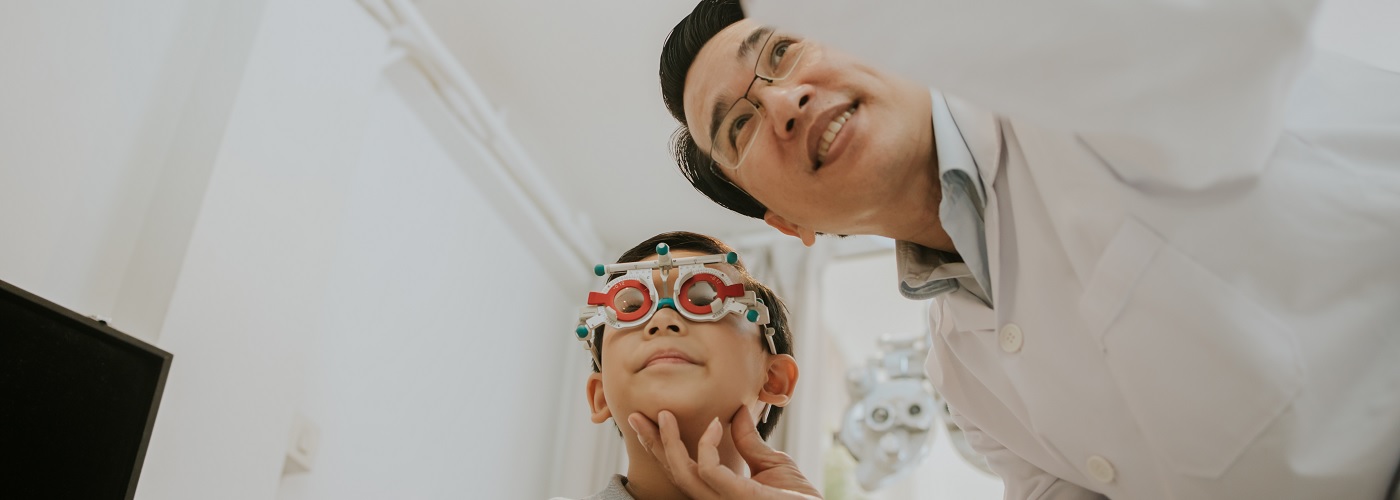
(682, 45)
(777, 311)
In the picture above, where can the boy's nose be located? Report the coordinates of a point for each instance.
(663, 320)
(657, 328)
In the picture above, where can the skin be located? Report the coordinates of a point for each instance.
(728, 372)
(883, 180)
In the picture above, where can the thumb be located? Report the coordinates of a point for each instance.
(751, 446)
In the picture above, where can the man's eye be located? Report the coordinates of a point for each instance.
(737, 128)
(779, 50)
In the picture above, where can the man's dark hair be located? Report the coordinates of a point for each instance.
(682, 45)
(777, 312)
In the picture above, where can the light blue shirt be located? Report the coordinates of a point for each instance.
(926, 273)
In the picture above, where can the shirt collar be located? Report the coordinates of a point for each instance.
(924, 272)
(616, 490)
(952, 149)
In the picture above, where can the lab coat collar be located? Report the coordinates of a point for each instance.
(981, 135)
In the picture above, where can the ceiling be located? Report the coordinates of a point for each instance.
(576, 82)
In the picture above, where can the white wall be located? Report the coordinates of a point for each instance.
(250, 292)
(1364, 29)
(109, 118)
(244, 184)
(435, 373)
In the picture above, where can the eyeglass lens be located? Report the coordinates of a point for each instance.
(741, 124)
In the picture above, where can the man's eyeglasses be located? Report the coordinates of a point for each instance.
(731, 137)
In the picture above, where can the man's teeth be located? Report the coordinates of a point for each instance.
(830, 134)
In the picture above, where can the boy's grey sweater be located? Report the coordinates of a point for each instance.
(616, 490)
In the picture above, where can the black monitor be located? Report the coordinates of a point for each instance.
(77, 402)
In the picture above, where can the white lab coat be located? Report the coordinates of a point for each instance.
(1193, 230)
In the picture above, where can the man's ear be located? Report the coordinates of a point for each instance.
(597, 400)
(782, 380)
(808, 236)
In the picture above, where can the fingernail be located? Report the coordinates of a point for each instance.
(633, 424)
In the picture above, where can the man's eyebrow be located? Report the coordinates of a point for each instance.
(721, 105)
(717, 113)
(751, 43)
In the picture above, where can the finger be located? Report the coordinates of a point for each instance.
(751, 445)
(729, 485)
(716, 475)
(707, 449)
(683, 470)
(780, 477)
(649, 436)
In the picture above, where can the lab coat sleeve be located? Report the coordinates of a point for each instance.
(1183, 93)
(1022, 481)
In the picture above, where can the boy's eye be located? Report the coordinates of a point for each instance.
(628, 300)
(702, 293)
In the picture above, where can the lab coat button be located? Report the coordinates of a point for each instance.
(1010, 338)
(1100, 469)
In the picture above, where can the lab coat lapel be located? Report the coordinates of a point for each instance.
(982, 133)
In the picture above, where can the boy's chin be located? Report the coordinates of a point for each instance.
(689, 411)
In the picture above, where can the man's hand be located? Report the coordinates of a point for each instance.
(774, 475)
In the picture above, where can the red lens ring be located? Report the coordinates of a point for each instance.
(714, 281)
(635, 315)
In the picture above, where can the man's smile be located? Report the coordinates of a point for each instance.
(824, 132)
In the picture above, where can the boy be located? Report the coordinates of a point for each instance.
(683, 336)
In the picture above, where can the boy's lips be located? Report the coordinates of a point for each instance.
(668, 356)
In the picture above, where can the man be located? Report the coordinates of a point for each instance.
(1161, 236)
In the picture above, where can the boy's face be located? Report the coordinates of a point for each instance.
(693, 369)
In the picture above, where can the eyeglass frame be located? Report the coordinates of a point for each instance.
(768, 43)
(594, 316)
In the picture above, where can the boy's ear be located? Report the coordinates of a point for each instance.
(597, 400)
(808, 236)
(782, 380)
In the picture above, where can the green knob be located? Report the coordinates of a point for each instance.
(731, 257)
(581, 331)
(600, 269)
(752, 316)
(662, 249)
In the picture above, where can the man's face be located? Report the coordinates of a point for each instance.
(697, 370)
(879, 151)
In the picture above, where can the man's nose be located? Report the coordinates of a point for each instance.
(786, 106)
